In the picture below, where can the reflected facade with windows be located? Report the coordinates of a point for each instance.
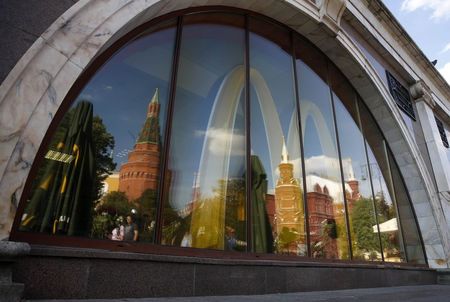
(223, 131)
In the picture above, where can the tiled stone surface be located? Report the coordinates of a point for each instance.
(227, 280)
(115, 278)
(52, 277)
(98, 277)
(275, 279)
(79, 35)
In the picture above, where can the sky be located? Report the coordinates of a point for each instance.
(428, 24)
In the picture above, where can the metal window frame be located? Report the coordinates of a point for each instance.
(84, 78)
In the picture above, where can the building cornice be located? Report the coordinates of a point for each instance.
(389, 29)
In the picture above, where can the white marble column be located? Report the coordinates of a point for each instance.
(433, 141)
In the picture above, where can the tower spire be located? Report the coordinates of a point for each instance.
(150, 130)
(284, 153)
(153, 106)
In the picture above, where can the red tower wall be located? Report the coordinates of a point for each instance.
(141, 172)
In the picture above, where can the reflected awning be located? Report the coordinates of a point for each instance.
(387, 226)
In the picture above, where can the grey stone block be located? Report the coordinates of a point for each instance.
(443, 277)
(303, 279)
(275, 279)
(11, 292)
(137, 279)
(229, 280)
(52, 277)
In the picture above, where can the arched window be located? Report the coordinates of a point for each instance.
(221, 128)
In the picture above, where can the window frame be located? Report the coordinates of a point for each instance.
(155, 248)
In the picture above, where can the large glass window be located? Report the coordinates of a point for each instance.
(277, 189)
(220, 131)
(100, 174)
(388, 226)
(205, 207)
(358, 188)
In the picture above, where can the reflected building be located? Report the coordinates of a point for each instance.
(289, 212)
(232, 83)
(322, 223)
(111, 183)
(141, 171)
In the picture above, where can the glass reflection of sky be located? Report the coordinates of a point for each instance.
(319, 143)
(275, 66)
(123, 87)
(380, 187)
(352, 147)
(208, 53)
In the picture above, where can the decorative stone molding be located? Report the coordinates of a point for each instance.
(421, 92)
(330, 12)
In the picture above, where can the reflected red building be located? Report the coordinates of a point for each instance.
(141, 171)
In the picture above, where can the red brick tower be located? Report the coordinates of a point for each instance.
(141, 171)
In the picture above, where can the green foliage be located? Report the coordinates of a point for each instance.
(103, 142)
(115, 204)
(233, 193)
(363, 221)
(147, 209)
(284, 239)
(101, 226)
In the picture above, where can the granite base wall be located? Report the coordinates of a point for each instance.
(64, 274)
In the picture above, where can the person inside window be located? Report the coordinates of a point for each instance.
(131, 232)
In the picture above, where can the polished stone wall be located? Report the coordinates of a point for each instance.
(52, 273)
(35, 88)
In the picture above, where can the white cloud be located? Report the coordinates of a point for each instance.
(445, 49)
(445, 72)
(440, 8)
(220, 140)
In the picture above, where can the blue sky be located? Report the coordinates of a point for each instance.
(428, 23)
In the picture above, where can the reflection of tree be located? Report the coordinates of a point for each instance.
(211, 215)
(147, 207)
(286, 241)
(233, 192)
(114, 206)
(364, 239)
(103, 142)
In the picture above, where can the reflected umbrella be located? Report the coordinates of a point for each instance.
(263, 239)
(64, 197)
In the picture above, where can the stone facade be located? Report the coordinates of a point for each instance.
(38, 84)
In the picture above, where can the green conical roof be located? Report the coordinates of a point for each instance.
(150, 130)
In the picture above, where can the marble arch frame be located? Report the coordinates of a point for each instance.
(36, 87)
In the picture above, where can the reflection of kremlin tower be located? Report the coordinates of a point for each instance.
(289, 204)
(141, 171)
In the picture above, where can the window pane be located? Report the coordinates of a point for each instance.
(206, 205)
(385, 206)
(110, 140)
(277, 190)
(358, 190)
(328, 232)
